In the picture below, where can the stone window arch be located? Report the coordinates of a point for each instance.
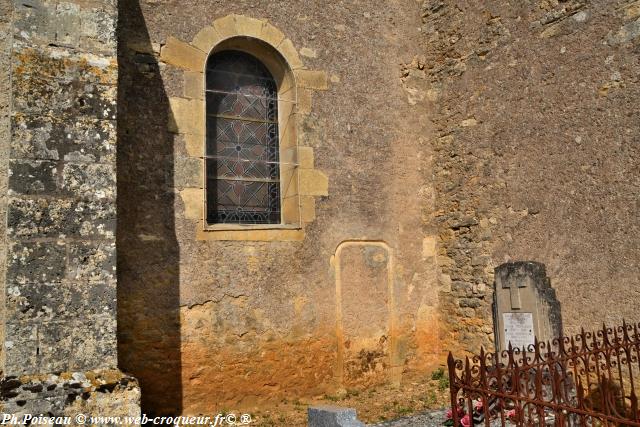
(242, 153)
(299, 182)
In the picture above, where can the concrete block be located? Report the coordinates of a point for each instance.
(333, 416)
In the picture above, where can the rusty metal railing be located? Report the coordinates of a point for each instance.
(591, 379)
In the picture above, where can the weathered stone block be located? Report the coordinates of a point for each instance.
(186, 116)
(51, 218)
(183, 55)
(32, 21)
(194, 144)
(33, 177)
(193, 198)
(206, 39)
(271, 35)
(193, 85)
(52, 138)
(92, 261)
(188, 172)
(59, 346)
(305, 101)
(67, 24)
(307, 208)
(63, 301)
(290, 54)
(226, 26)
(312, 79)
(46, 63)
(313, 183)
(332, 416)
(305, 157)
(89, 180)
(21, 348)
(99, 393)
(56, 97)
(248, 26)
(98, 30)
(37, 262)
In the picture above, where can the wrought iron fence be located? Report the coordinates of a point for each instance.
(590, 379)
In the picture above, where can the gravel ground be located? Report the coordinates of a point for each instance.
(426, 419)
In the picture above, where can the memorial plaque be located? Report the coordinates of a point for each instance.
(518, 329)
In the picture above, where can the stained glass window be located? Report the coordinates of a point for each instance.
(242, 158)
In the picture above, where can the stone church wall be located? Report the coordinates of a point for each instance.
(207, 323)
(536, 153)
(437, 140)
(58, 146)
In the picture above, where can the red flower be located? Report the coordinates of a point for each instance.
(466, 421)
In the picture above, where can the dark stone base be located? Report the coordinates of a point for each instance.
(106, 393)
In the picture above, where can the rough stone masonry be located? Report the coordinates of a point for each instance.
(58, 172)
(458, 134)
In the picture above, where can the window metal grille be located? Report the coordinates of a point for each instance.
(242, 149)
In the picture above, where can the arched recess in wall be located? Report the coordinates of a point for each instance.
(301, 183)
(250, 144)
(370, 270)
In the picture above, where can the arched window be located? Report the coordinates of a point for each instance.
(242, 149)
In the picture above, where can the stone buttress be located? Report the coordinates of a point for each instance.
(58, 177)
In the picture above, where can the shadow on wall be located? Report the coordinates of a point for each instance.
(148, 256)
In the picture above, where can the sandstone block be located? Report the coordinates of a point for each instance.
(186, 116)
(307, 208)
(183, 55)
(247, 26)
(312, 79)
(271, 35)
(289, 52)
(206, 39)
(193, 85)
(305, 101)
(313, 183)
(226, 26)
(305, 157)
(193, 201)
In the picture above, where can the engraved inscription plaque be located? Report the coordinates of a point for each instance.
(518, 328)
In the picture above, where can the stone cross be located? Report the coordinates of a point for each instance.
(514, 292)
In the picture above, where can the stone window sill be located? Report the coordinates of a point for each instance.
(259, 232)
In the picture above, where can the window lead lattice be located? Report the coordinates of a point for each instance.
(242, 149)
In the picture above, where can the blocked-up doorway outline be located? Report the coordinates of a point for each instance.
(395, 369)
